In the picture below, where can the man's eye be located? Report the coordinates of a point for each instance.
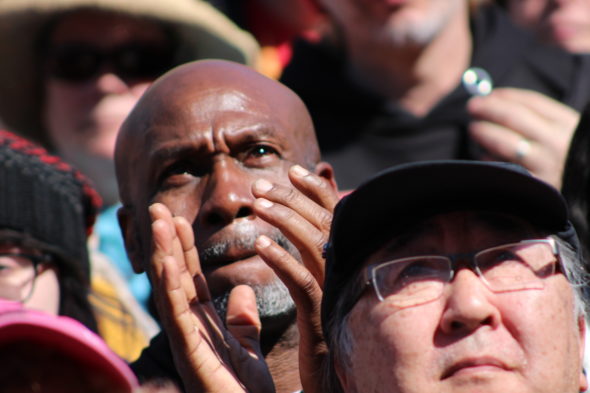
(179, 173)
(263, 150)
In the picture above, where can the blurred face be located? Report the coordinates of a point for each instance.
(24, 278)
(201, 158)
(470, 339)
(97, 67)
(400, 22)
(565, 23)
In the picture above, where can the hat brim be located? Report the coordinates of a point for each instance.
(202, 31)
(407, 194)
(68, 337)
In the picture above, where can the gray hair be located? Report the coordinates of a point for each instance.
(577, 274)
(341, 343)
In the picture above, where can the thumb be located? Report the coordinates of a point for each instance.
(242, 318)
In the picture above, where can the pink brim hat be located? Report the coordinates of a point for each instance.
(66, 335)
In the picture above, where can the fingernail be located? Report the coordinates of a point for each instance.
(265, 203)
(263, 185)
(299, 171)
(263, 241)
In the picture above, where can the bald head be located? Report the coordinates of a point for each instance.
(196, 141)
(203, 90)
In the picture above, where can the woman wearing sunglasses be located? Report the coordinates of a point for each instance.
(71, 71)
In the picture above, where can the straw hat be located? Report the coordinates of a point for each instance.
(202, 32)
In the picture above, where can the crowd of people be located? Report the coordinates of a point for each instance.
(341, 196)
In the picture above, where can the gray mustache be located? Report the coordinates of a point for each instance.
(245, 242)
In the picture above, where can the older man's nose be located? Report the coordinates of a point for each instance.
(227, 195)
(468, 305)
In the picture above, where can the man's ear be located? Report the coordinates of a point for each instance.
(582, 339)
(325, 170)
(131, 238)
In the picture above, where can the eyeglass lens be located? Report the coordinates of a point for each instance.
(80, 62)
(17, 276)
(416, 280)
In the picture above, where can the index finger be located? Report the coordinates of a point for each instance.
(315, 187)
(548, 107)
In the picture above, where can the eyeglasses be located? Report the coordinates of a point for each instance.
(17, 275)
(412, 281)
(77, 62)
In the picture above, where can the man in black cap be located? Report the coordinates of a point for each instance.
(454, 277)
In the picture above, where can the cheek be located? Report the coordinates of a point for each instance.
(184, 202)
(64, 107)
(138, 89)
(397, 342)
(548, 335)
(61, 97)
(46, 293)
(553, 310)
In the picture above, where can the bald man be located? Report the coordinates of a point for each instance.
(204, 142)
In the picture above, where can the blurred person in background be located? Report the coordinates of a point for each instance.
(576, 180)
(564, 23)
(71, 70)
(275, 25)
(396, 82)
(576, 191)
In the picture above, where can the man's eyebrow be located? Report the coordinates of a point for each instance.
(255, 132)
(166, 152)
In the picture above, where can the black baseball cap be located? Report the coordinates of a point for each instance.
(407, 194)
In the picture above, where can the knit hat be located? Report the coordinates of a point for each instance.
(201, 32)
(45, 202)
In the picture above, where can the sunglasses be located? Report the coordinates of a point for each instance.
(76, 62)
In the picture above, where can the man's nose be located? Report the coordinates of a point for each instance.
(227, 196)
(108, 82)
(468, 304)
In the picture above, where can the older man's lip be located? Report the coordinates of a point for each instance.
(475, 365)
(227, 259)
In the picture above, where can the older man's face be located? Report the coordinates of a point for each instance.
(470, 339)
(200, 148)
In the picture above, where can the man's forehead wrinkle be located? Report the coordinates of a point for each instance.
(435, 231)
(414, 236)
(219, 99)
(251, 132)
